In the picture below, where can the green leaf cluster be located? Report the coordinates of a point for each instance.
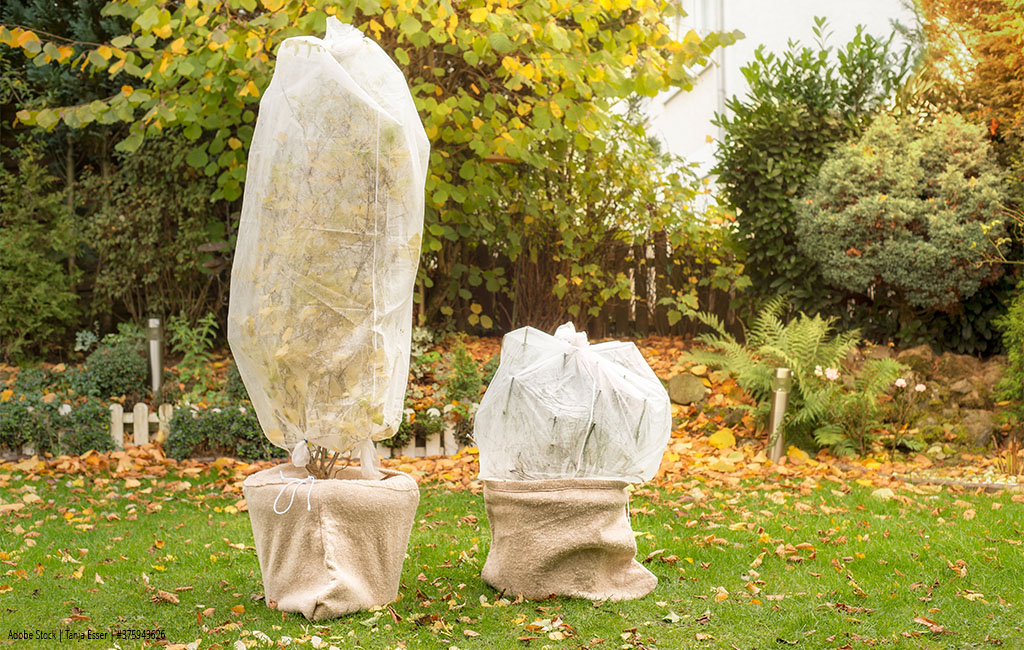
(38, 303)
(116, 367)
(194, 342)
(26, 420)
(801, 105)
(1011, 385)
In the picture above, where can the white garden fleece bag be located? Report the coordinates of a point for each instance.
(562, 430)
(321, 314)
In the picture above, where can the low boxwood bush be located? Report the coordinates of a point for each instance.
(23, 421)
(54, 427)
(39, 380)
(222, 431)
(114, 368)
(233, 385)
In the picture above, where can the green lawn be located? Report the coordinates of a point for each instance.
(856, 573)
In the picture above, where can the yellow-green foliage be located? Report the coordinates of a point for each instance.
(528, 160)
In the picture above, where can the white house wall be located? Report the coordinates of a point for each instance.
(682, 120)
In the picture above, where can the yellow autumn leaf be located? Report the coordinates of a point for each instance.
(163, 31)
(234, 143)
(798, 456)
(104, 51)
(25, 38)
(178, 45)
(722, 438)
(249, 89)
(479, 14)
(272, 5)
(721, 595)
(477, 123)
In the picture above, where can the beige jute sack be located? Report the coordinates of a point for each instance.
(567, 537)
(341, 555)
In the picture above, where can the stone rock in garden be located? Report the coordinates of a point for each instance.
(992, 372)
(921, 359)
(854, 360)
(962, 386)
(957, 366)
(976, 400)
(876, 352)
(980, 425)
(732, 417)
(686, 389)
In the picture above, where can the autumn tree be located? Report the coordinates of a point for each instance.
(974, 63)
(512, 94)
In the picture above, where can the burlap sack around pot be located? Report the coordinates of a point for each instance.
(341, 555)
(567, 537)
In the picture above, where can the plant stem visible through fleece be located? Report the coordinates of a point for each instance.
(321, 464)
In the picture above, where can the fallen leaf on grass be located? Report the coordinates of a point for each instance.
(959, 568)
(932, 626)
(165, 596)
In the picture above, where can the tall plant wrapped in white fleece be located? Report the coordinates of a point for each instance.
(321, 318)
(559, 407)
(328, 247)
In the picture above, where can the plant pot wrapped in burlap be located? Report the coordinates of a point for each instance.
(334, 546)
(563, 429)
(321, 317)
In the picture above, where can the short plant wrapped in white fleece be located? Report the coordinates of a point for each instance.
(559, 407)
(321, 290)
(563, 429)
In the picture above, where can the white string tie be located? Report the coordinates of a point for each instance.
(294, 483)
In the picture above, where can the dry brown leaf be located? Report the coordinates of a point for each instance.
(165, 596)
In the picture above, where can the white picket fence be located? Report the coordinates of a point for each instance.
(141, 418)
(441, 444)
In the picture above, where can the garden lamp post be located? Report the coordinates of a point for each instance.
(781, 385)
(155, 335)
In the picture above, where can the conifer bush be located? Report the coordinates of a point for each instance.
(907, 212)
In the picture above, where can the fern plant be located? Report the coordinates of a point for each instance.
(851, 418)
(819, 405)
